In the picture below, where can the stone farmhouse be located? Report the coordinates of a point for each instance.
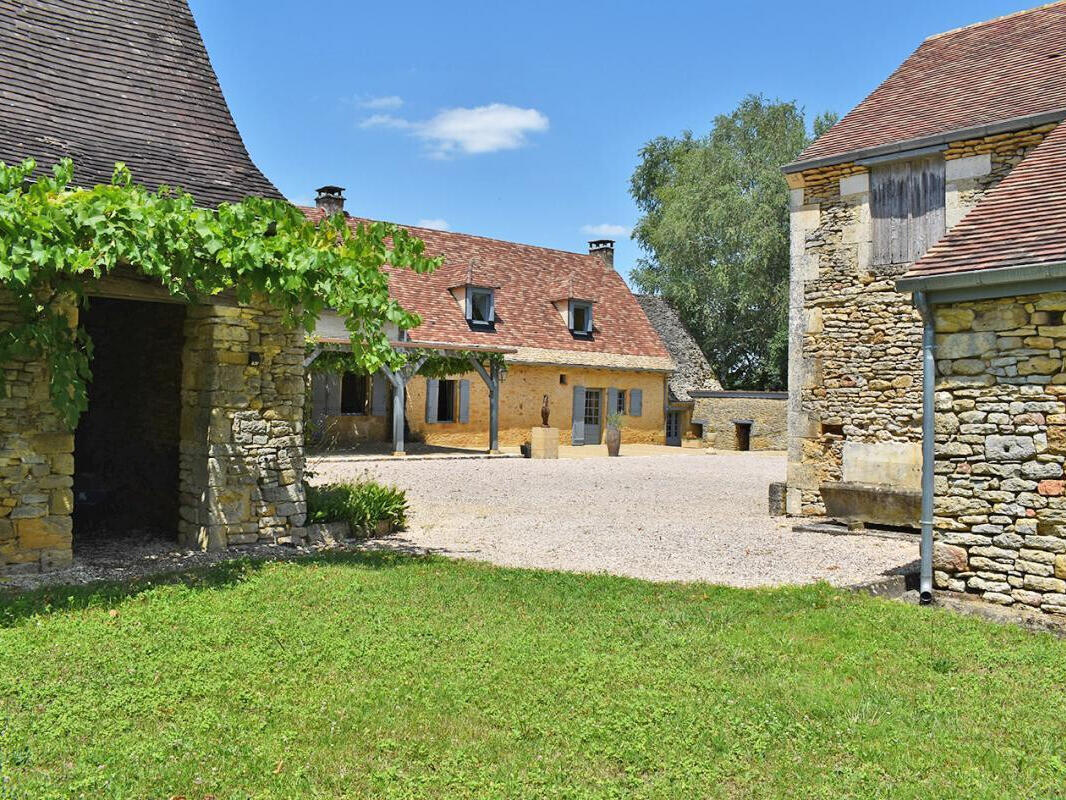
(565, 323)
(195, 412)
(868, 199)
(946, 188)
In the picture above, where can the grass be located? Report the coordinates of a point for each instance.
(389, 676)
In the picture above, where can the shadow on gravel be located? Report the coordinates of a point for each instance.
(60, 598)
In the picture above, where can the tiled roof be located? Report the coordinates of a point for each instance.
(991, 72)
(119, 80)
(527, 278)
(693, 372)
(1021, 221)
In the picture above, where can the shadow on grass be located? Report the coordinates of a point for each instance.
(60, 598)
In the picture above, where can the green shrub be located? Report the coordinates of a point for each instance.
(362, 505)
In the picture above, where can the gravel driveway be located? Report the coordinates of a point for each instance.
(684, 517)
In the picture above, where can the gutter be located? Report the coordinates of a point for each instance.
(987, 283)
(925, 587)
(904, 147)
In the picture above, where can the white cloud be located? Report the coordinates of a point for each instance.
(485, 129)
(433, 224)
(387, 103)
(605, 230)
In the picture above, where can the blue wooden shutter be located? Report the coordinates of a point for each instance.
(318, 399)
(636, 402)
(612, 400)
(577, 432)
(464, 401)
(377, 395)
(431, 400)
(333, 394)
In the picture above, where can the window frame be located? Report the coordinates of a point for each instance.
(620, 401)
(586, 306)
(490, 293)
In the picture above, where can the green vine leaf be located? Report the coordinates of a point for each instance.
(54, 235)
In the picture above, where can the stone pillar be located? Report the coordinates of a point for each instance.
(242, 428)
(36, 468)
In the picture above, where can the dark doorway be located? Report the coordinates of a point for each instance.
(743, 427)
(127, 442)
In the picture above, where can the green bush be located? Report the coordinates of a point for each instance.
(362, 505)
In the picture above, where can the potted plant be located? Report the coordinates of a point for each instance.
(613, 436)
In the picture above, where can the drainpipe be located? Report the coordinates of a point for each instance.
(921, 302)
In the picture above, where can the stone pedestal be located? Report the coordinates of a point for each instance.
(544, 443)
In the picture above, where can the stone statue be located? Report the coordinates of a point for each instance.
(544, 411)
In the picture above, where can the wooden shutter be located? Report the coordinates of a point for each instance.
(464, 401)
(318, 399)
(636, 402)
(906, 209)
(378, 395)
(577, 431)
(431, 399)
(333, 394)
(612, 401)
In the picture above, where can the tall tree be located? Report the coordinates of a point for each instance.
(715, 231)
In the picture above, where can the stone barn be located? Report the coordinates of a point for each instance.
(868, 200)
(994, 295)
(194, 425)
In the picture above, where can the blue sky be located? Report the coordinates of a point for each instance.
(523, 121)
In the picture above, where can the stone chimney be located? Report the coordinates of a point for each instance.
(604, 248)
(330, 199)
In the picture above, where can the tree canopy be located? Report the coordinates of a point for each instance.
(715, 231)
(54, 237)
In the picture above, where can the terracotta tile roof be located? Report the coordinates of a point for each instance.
(528, 278)
(693, 371)
(119, 80)
(1010, 67)
(1021, 221)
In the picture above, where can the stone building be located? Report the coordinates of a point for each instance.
(868, 199)
(994, 290)
(692, 372)
(194, 425)
(566, 324)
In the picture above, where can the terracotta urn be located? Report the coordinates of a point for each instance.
(613, 439)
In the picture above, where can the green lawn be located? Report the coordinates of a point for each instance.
(388, 676)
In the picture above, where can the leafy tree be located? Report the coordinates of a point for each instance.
(55, 237)
(715, 231)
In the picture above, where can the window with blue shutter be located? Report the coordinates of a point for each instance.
(577, 431)
(636, 402)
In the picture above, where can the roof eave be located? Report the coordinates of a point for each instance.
(988, 283)
(903, 148)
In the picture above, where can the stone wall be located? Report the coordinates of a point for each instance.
(854, 405)
(36, 468)
(242, 427)
(716, 412)
(1000, 449)
(241, 453)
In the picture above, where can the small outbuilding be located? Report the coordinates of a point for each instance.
(194, 425)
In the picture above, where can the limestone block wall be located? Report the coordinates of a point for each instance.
(521, 394)
(854, 407)
(717, 410)
(36, 468)
(242, 427)
(1000, 449)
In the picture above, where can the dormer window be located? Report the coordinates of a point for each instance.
(581, 318)
(480, 306)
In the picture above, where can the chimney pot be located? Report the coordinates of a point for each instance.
(330, 199)
(604, 248)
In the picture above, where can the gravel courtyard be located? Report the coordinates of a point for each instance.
(677, 517)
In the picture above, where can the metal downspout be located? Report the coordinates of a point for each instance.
(925, 589)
